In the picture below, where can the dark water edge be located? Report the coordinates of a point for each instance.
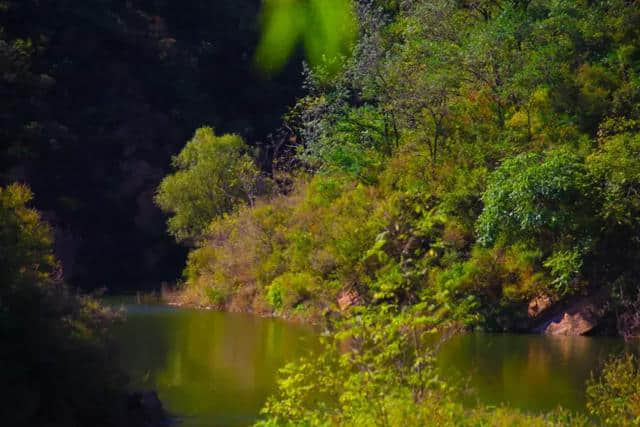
(217, 369)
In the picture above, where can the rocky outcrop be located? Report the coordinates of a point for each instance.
(348, 298)
(628, 321)
(538, 305)
(576, 318)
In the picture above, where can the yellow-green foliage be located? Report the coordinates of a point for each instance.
(493, 286)
(465, 153)
(381, 372)
(213, 174)
(291, 252)
(291, 290)
(26, 254)
(622, 182)
(470, 159)
(615, 396)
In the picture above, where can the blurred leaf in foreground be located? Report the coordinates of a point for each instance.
(326, 28)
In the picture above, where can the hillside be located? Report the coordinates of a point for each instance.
(477, 158)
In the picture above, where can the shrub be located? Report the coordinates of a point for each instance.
(352, 141)
(26, 240)
(548, 202)
(385, 376)
(289, 290)
(490, 287)
(616, 170)
(614, 397)
(542, 199)
(213, 175)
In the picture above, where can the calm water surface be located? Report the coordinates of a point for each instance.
(531, 372)
(209, 368)
(217, 369)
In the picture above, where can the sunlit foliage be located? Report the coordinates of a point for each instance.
(384, 374)
(468, 159)
(26, 253)
(213, 174)
(450, 158)
(615, 395)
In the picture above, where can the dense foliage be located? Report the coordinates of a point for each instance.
(213, 175)
(615, 396)
(473, 164)
(55, 357)
(484, 154)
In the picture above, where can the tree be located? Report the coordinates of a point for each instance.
(547, 202)
(213, 175)
(57, 370)
(25, 241)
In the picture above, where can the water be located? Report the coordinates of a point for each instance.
(217, 369)
(209, 368)
(531, 372)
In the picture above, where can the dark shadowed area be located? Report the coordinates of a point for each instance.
(99, 95)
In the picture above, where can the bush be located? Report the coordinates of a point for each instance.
(385, 376)
(540, 199)
(616, 170)
(26, 241)
(548, 202)
(289, 290)
(352, 141)
(614, 397)
(213, 175)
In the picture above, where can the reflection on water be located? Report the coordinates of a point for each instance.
(212, 368)
(531, 372)
(217, 369)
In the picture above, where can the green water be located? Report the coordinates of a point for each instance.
(209, 368)
(217, 369)
(531, 372)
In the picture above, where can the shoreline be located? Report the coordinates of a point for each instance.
(171, 298)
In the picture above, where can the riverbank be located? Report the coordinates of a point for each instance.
(469, 166)
(578, 316)
(238, 304)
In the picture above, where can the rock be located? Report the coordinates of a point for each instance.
(577, 319)
(628, 322)
(347, 299)
(538, 305)
(145, 409)
(150, 402)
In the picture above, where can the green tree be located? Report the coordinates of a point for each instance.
(547, 202)
(56, 370)
(25, 241)
(213, 175)
(620, 184)
(536, 198)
